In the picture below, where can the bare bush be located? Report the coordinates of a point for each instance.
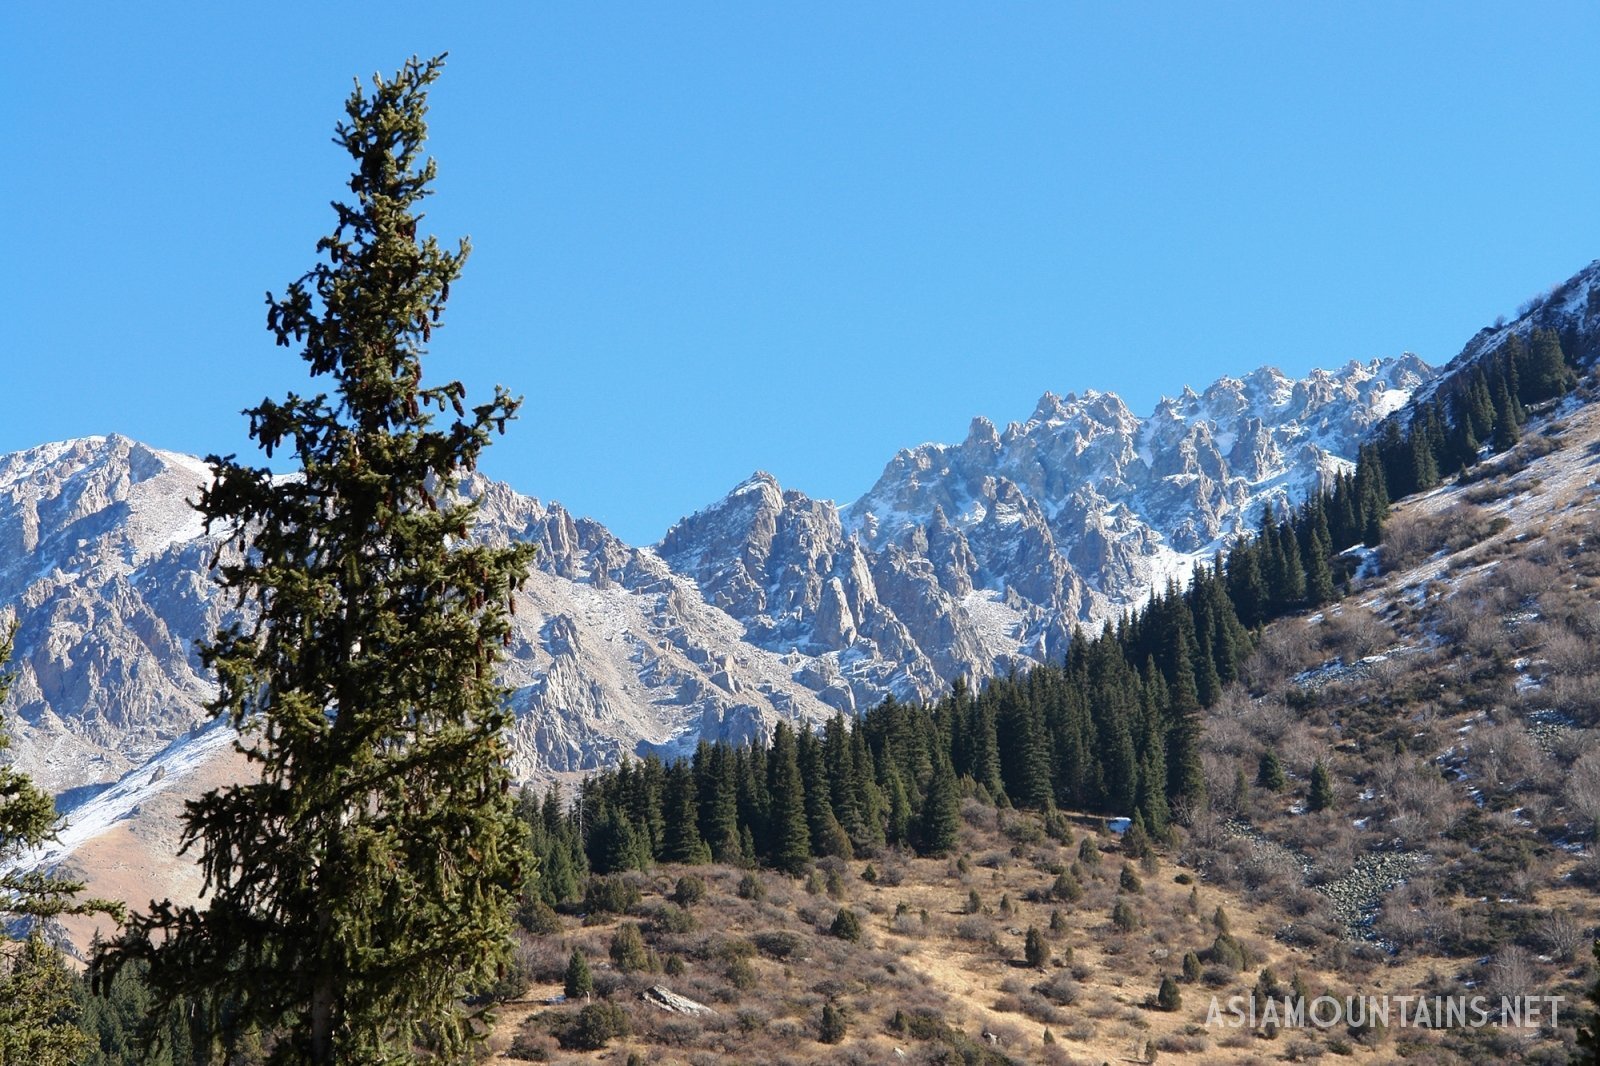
(1583, 791)
(1569, 652)
(1412, 537)
(1511, 972)
(1523, 580)
(1356, 632)
(1503, 756)
(1285, 649)
(1561, 935)
(977, 929)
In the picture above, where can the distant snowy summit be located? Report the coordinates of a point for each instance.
(963, 559)
(967, 558)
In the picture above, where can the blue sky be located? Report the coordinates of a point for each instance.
(711, 238)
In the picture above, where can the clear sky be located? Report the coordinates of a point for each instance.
(711, 238)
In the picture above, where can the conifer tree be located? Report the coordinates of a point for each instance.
(1035, 952)
(941, 813)
(1319, 575)
(985, 749)
(899, 827)
(628, 952)
(38, 1009)
(791, 836)
(614, 844)
(833, 1028)
(1321, 797)
(579, 982)
(719, 800)
(1546, 374)
(681, 841)
(1269, 772)
(1185, 777)
(363, 883)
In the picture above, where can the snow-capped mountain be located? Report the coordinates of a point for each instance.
(106, 569)
(962, 559)
(965, 558)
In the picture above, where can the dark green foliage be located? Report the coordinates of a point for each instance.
(1066, 888)
(1228, 952)
(1129, 881)
(1191, 967)
(689, 890)
(780, 944)
(593, 1027)
(1321, 796)
(616, 842)
(579, 982)
(751, 887)
(1269, 772)
(38, 1006)
(1035, 952)
(610, 895)
(742, 974)
(940, 828)
(1168, 998)
(832, 1028)
(628, 952)
(536, 916)
(1506, 430)
(1124, 917)
(1544, 373)
(121, 1029)
(364, 879)
(681, 842)
(1089, 851)
(846, 926)
(671, 918)
(1136, 841)
(790, 835)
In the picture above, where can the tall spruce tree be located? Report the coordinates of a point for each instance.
(790, 839)
(940, 830)
(362, 885)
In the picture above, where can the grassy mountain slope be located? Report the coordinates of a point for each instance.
(1452, 696)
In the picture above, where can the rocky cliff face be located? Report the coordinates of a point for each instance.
(106, 568)
(962, 560)
(967, 558)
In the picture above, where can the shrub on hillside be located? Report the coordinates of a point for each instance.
(593, 1026)
(612, 894)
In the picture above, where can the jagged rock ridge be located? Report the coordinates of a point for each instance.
(962, 559)
(106, 567)
(965, 559)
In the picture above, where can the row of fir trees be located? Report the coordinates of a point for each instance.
(1481, 408)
